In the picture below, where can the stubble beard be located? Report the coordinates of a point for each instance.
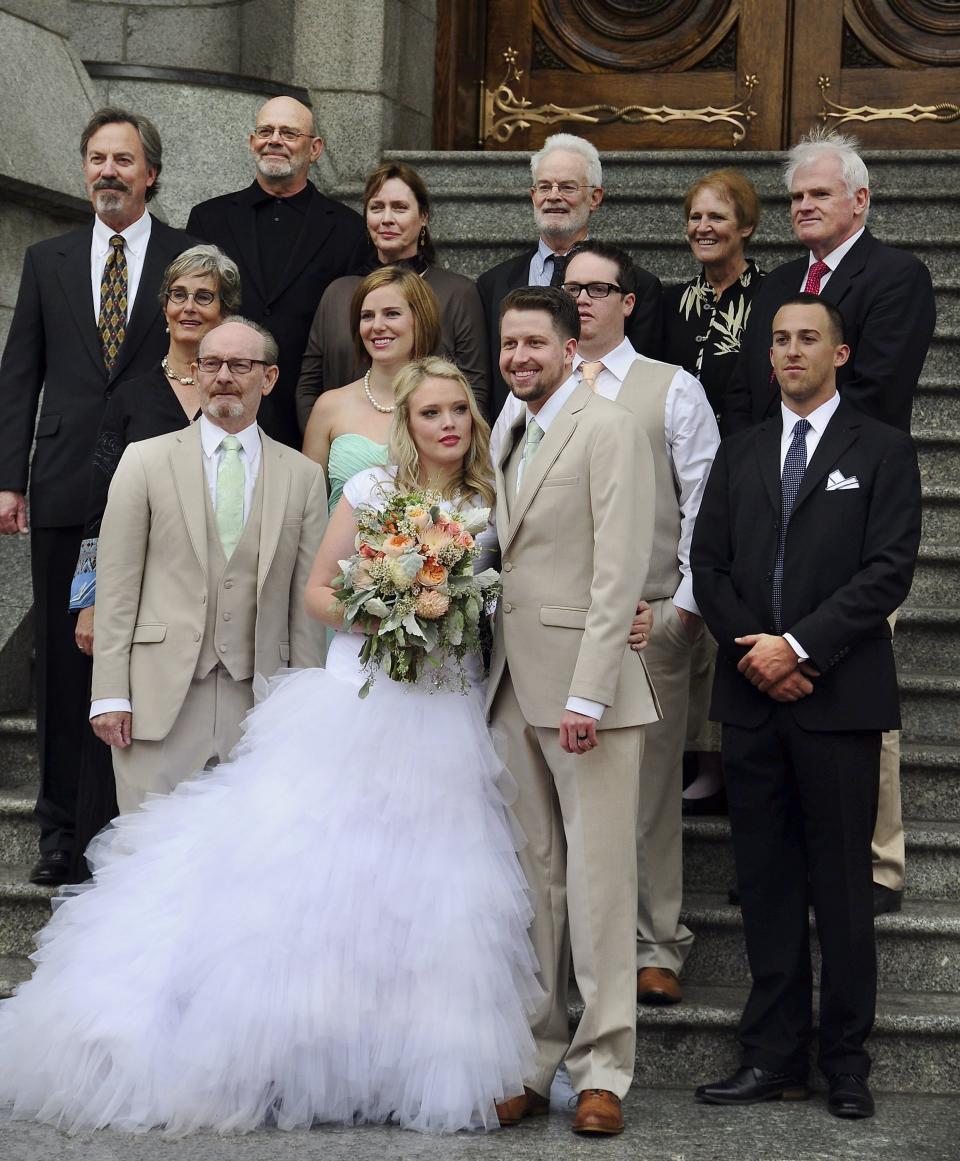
(226, 410)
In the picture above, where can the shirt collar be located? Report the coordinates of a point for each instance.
(834, 258)
(617, 362)
(818, 419)
(211, 437)
(135, 236)
(554, 405)
(297, 201)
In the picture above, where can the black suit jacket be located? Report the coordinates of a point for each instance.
(848, 564)
(644, 326)
(331, 243)
(886, 298)
(54, 344)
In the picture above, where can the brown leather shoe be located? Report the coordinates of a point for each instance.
(518, 1108)
(598, 1112)
(658, 986)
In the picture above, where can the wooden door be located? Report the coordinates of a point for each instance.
(885, 70)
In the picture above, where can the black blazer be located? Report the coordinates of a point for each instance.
(54, 344)
(849, 563)
(886, 298)
(331, 243)
(643, 329)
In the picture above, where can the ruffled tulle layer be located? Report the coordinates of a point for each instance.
(329, 928)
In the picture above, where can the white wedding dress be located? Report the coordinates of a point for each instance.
(330, 927)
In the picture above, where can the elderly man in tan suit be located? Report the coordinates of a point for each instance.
(575, 515)
(205, 548)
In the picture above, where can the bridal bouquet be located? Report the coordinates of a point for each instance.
(411, 587)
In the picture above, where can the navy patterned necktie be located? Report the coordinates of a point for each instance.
(794, 465)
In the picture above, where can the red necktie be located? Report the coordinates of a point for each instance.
(814, 276)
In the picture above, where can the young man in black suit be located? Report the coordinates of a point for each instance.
(87, 316)
(805, 543)
(289, 240)
(886, 299)
(567, 190)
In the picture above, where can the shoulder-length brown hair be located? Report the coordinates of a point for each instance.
(476, 476)
(419, 297)
(409, 176)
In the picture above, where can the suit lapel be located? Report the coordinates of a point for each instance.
(316, 229)
(851, 266)
(74, 273)
(502, 482)
(842, 430)
(242, 221)
(768, 458)
(145, 305)
(186, 462)
(275, 473)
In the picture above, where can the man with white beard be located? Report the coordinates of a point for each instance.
(289, 240)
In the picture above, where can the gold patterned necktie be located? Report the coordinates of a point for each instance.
(590, 371)
(112, 320)
(230, 479)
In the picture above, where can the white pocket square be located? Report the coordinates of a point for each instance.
(838, 482)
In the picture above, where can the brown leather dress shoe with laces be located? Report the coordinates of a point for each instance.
(518, 1108)
(657, 985)
(598, 1113)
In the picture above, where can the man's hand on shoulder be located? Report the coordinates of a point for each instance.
(13, 513)
(770, 659)
(113, 728)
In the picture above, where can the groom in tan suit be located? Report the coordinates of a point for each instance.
(205, 548)
(575, 516)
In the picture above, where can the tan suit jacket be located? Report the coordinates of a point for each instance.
(575, 544)
(153, 579)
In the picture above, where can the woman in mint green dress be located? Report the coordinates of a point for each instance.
(394, 318)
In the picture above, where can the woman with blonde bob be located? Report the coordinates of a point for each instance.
(394, 317)
(362, 954)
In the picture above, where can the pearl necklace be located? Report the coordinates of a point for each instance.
(369, 394)
(186, 380)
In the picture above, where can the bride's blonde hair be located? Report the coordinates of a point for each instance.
(476, 476)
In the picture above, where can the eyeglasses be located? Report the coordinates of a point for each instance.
(210, 365)
(265, 132)
(593, 289)
(200, 297)
(564, 188)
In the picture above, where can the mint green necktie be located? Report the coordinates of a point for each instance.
(230, 478)
(531, 443)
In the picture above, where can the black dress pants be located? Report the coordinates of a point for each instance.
(802, 810)
(63, 683)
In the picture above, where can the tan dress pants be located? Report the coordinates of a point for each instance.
(205, 731)
(888, 844)
(578, 813)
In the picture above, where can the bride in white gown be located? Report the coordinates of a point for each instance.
(330, 927)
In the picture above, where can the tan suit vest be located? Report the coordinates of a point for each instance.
(229, 634)
(644, 393)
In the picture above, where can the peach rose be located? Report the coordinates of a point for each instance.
(367, 551)
(432, 575)
(419, 517)
(465, 540)
(432, 605)
(397, 544)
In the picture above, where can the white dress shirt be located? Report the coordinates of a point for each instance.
(135, 241)
(690, 435)
(211, 437)
(833, 259)
(818, 421)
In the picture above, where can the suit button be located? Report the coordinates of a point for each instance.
(508, 566)
(228, 584)
(266, 310)
(221, 648)
(507, 607)
(226, 616)
(203, 598)
(196, 636)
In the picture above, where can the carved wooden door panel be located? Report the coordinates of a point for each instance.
(635, 74)
(885, 70)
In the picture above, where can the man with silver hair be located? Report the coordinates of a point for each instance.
(87, 319)
(289, 240)
(567, 190)
(885, 296)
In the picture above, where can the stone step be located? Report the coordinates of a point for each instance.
(18, 750)
(927, 640)
(936, 578)
(933, 854)
(938, 450)
(918, 950)
(941, 514)
(930, 782)
(929, 707)
(915, 1044)
(939, 378)
(14, 969)
(18, 831)
(24, 909)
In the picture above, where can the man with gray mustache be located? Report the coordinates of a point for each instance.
(87, 317)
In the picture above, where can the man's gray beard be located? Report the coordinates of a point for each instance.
(549, 227)
(107, 201)
(274, 166)
(226, 410)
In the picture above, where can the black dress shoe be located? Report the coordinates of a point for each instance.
(52, 869)
(849, 1096)
(886, 900)
(747, 1086)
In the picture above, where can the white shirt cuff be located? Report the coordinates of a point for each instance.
(795, 645)
(110, 705)
(580, 705)
(683, 597)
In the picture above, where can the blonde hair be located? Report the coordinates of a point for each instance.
(476, 475)
(418, 295)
